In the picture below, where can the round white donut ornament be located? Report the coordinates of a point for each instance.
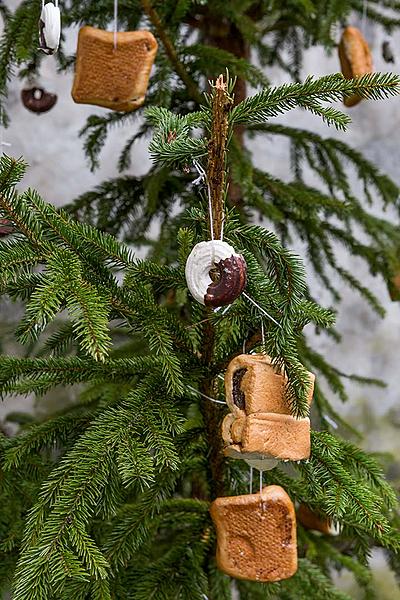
(49, 27)
(231, 268)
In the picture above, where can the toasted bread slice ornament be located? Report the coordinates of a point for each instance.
(256, 535)
(355, 59)
(260, 428)
(113, 75)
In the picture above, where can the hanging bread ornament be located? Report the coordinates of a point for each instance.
(231, 271)
(49, 27)
(260, 426)
(311, 520)
(355, 59)
(256, 535)
(37, 100)
(113, 69)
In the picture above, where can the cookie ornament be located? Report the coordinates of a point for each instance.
(113, 68)
(260, 428)
(37, 100)
(355, 59)
(49, 27)
(256, 535)
(230, 268)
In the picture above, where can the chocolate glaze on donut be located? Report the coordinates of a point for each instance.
(37, 100)
(231, 282)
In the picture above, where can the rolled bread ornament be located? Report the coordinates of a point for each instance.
(231, 272)
(260, 426)
(355, 59)
(311, 520)
(256, 535)
(49, 27)
(113, 75)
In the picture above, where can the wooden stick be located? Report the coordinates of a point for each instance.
(216, 173)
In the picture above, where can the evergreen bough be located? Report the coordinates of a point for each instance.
(109, 497)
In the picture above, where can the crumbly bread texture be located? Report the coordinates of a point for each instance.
(260, 425)
(277, 436)
(252, 385)
(310, 520)
(113, 77)
(355, 58)
(256, 535)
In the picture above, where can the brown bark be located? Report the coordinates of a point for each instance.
(216, 153)
(227, 37)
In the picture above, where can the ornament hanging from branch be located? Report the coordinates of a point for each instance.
(387, 52)
(355, 59)
(113, 69)
(260, 428)
(229, 269)
(256, 535)
(37, 100)
(49, 27)
(311, 520)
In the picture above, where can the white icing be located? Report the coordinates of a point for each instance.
(201, 260)
(51, 18)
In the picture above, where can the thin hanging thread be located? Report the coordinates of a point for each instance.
(261, 481)
(203, 177)
(205, 396)
(262, 333)
(364, 17)
(115, 23)
(264, 312)
(251, 480)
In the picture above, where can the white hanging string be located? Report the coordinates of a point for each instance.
(261, 481)
(244, 344)
(115, 23)
(264, 312)
(262, 333)
(203, 177)
(205, 396)
(364, 17)
(331, 421)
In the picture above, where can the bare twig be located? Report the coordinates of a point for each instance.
(216, 175)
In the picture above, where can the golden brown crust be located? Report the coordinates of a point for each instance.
(115, 78)
(256, 535)
(280, 436)
(310, 520)
(262, 387)
(355, 58)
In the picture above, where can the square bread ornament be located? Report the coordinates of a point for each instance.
(256, 535)
(112, 76)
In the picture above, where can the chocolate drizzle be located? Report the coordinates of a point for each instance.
(238, 395)
(230, 284)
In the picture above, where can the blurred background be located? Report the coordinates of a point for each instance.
(58, 169)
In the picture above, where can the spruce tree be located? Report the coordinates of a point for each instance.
(109, 498)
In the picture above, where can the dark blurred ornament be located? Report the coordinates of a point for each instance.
(37, 100)
(387, 52)
(6, 227)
